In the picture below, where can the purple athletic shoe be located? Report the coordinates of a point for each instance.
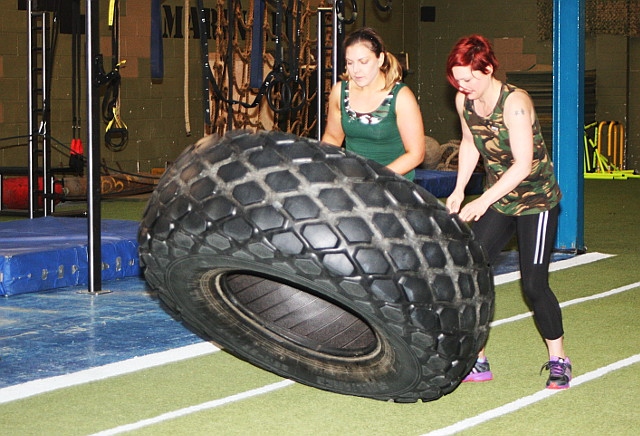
(559, 372)
(480, 372)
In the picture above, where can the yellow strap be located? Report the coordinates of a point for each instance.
(112, 10)
(115, 121)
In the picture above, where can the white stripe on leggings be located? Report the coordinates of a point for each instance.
(541, 236)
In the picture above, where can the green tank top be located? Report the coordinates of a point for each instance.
(373, 135)
(539, 191)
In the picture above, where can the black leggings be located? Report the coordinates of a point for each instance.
(536, 236)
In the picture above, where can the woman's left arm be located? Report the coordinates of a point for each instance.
(409, 120)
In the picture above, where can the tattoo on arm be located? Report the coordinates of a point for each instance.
(519, 112)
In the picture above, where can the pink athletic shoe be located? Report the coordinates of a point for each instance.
(480, 372)
(559, 372)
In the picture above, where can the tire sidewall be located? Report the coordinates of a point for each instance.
(390, 371)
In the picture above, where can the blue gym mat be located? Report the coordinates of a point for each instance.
(66, 330)
(441, 183)
(51, 252)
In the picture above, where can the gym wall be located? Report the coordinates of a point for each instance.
(153, 110)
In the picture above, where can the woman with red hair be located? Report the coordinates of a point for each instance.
(521, 196)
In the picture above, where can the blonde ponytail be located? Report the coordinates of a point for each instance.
(392, 70)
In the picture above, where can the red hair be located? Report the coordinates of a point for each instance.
(471, 51)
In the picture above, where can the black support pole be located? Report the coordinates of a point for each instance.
(93, 155)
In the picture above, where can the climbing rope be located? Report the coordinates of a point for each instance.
(287, 56)
(186, 13)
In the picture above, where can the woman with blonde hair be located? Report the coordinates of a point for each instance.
(372, 111)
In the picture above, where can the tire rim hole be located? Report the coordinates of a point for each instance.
(303, 319)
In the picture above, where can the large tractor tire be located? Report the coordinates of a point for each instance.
(319, 266)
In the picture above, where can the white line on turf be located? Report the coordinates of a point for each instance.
(43, 385)
(40, 386)
(452, 429)
(570, 303)
(194, 409)
(555, 266)
(520, 403)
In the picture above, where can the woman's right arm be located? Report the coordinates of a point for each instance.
(468, 156)
(333, 133)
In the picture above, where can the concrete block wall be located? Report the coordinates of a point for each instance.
(633, 120)
(154, 114)
(617, 66)
(512, 27)
(153, 111)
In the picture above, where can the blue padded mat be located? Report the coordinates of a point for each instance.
(52, 252)
(441, 183)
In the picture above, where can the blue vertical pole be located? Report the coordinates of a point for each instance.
(568, 119)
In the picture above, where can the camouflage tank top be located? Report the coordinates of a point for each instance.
(536, 193)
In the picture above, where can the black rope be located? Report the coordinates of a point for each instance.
(286, 85)
(384, 8)
(341, 13)
(65, 151)
(281, 86)
(76, 87)
(76, 158)
(116, 135)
